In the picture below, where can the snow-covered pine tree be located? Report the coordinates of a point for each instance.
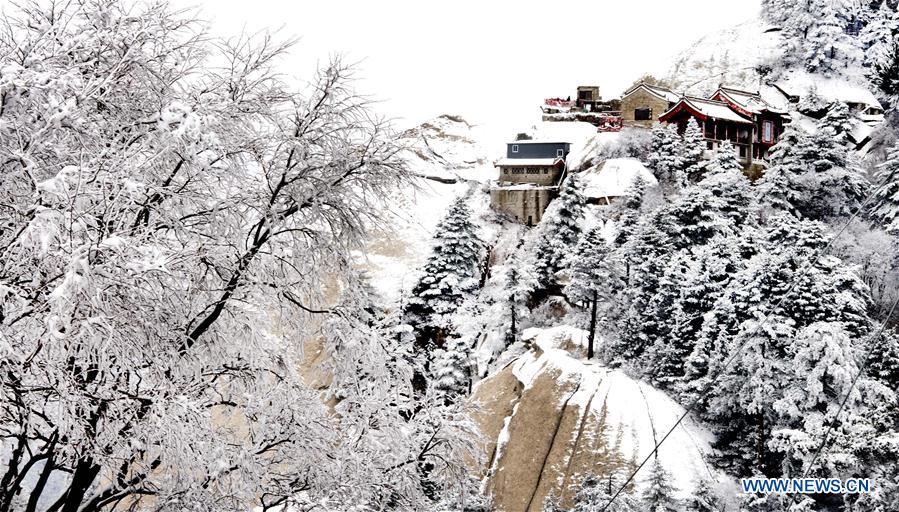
(587, 270)
(878, 35)
(693, 147)
(452, 369)
(827, 47)
(742, 400)
(812, 104)
(590, 277)
(725, 158)
(885, 204)
(703, 499)
(823, 361)
(449, 276)
(666, 157)
(885, 74)
(659, 493)
(626, 212)
(837, 122)
(557, 234)
(812, 176)
(596, 494)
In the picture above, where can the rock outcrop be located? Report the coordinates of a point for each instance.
(550, 420)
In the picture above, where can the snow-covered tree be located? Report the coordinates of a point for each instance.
(827, 47)
(725, 158)
(666, 157)
(837, 122)
(693, 148)
(884, 208)
(451, 369)
(596, 494)
(450, 275)
(658, 495)
(558, 233)
(878, 35)
(590, 277)
(703, 499)
(173, 213)
(885, 74)
(812, 176)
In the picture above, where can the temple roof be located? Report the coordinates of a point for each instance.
(704, 109)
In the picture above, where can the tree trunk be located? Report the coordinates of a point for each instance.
(592, 326)
(514, 323)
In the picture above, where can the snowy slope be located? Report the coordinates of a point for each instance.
(728, 56)
(447, 155)
(563, 418)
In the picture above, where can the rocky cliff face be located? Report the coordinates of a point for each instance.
(550, 419)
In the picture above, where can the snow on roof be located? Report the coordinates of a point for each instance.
(748, 100)
(614, 177)
(799, 83)
(711, 108)
(539, 141)
(661, 92)
(533, 162)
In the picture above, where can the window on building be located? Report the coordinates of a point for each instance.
(515, 148)
(642, 114)
(768, 131)
(560, 153)
(530, 220)
(710, 129)
(743, 136)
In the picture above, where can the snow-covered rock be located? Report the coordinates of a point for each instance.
(549, 419)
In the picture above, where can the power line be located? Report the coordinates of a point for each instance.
(739, 350)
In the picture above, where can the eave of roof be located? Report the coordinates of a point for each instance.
(528, 162)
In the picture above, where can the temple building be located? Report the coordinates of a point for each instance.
(751, 124)
(529, 178)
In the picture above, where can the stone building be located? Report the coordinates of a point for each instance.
(529, 179)
(642, 104)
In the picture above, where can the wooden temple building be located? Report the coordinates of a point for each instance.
(750, 123)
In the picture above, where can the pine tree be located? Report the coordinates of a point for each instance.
(837, 122)
(596, 494)
(726, 158)
(885, 206)
(450, 275)
(827, 46)
(812, 176)
(693, 147)
(878, 35)
(590, 277)
(703, 499)
(666, 158)
(659, 493)
(557, 233)
(812, 104)
(452, 369)
(886, 72)
(627, 210)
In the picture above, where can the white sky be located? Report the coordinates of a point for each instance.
(490, 61)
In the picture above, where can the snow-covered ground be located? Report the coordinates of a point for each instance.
(613, 177)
